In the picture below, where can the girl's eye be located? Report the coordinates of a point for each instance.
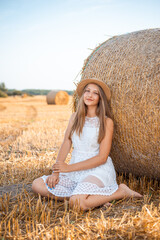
(87, 90)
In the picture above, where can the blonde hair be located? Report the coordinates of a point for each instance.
(102, 111)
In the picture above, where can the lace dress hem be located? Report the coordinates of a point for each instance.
(67, 188)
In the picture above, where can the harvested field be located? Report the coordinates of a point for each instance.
(31, 132)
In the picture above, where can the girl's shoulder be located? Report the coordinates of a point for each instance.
(109, 122)
(72, 117)
(73, 114)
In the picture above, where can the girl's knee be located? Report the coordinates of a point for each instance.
(35, 185)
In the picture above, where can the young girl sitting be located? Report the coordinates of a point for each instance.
(89, 180)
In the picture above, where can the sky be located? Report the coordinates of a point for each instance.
(44, 43)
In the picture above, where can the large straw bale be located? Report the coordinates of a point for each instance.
(130, 65)
(57, 97)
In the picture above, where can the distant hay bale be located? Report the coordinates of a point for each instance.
(24, 95)
(130, 65)
(58, 98)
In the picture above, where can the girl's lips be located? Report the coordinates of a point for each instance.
(89, 99)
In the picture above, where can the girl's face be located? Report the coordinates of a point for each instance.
(91, 95)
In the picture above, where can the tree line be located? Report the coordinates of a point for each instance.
(4, 92)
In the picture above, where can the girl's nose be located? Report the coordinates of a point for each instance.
(90, 93)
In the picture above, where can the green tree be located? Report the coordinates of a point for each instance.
(3, 87)
(3, 94)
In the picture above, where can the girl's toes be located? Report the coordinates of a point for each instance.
(107, 204)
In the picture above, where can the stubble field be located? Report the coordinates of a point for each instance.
(30, 135)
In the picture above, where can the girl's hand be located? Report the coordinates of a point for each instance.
(52, 180)
(61, 167)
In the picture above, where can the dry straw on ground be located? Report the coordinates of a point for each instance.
(58, 98)
(130, 65)
(31, 132)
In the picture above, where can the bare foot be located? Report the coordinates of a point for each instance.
(128, 192)
(107, 204)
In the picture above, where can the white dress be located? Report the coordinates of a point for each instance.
(85, 147)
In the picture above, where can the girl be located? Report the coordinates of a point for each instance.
(89, 179)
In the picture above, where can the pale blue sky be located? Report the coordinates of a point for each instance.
(43, 44)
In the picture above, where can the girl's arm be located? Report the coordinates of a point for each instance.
(53, 179)
(67, 143)
(93, 162)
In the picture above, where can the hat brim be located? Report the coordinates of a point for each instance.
(83, 83)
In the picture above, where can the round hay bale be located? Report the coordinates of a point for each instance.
(24, 95)
(130, 65)
(58, 98)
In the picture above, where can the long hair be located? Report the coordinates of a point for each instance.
(102, 111)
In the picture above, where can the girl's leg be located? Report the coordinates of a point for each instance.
(38, 186)
(90, 201)
(98, 200)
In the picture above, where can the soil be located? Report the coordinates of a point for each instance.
(15, 189)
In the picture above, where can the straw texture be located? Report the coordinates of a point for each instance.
(58, 98)
(130, 65)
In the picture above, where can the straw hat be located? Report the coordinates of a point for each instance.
(100, 83)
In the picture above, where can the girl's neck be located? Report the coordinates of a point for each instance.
(91, 113)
